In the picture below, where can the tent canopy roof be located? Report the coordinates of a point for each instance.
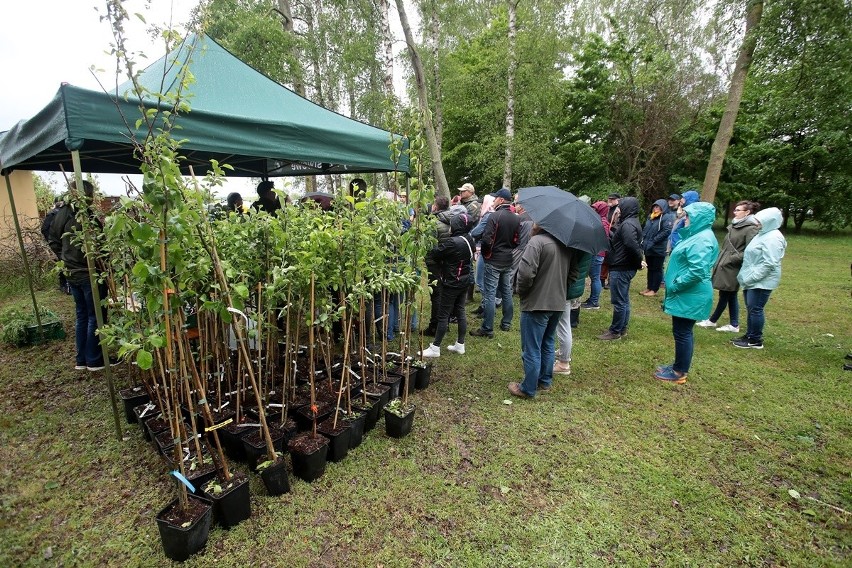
(238, 117)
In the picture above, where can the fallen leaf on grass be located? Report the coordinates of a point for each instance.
(794, 494)
(507, 402)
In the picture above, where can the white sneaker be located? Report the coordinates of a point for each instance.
(560, 368)
(731, 328)
(706, 323)
(431, 351)
(456, 348)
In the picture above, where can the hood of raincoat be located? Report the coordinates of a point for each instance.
(690, 197)
(601, 207)
(770, 219)
(629, 207)
(701, 216)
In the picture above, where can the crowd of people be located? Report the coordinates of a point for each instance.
(496, 248)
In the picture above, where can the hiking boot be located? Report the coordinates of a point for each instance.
(482, 333)
(748, 344)
(478, 311)
(456, 348)
(504, 327)
(730, 328)
(609, 336)
(430, 352)
(671, 376)
(590, 306)
(515, 389)
(706, 323)
(560, 368)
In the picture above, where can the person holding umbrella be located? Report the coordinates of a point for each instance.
(689, 292)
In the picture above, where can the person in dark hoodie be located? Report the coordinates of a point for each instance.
(625, 258)
(689, 197)
(500, 237)
(63, 237)
(453, 260)
(658, 228)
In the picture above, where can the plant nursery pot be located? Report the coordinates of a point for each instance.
(49, 331)
(309, 455)
(180, 542)
(398, 426)
(371, 413)
(154, 426)
(394, 381)
(202, 473)
(232, 503)
(231, 438)
(275, 477)
(305, 416)
(165, 443)
(254, 444)
(424, 375)
(356, 423)
(380, 392)
(133, 397)
(338, 438)
(145, 412)
(410, 381)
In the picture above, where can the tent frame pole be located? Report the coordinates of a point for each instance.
(24, 254)
(96, 295)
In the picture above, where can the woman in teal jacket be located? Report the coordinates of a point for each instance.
(760, 274)
(689, 291)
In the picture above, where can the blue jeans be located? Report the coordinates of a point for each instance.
(394, 300)
(619, 292)
(479, 276)
(755, 299)
(684, 343)
(595, 277)
(497, 277)
(727, 300)
(538, 338)
(88, 347)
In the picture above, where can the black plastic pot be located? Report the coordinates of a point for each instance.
(398, 426)
(231, 438)
(424, 375)
(133, 397)
(275, 478)
(179, 542)
(356, 427)
(254, 445)
(379, 392)
(371, 413)
(308, 465)
(338, 438)
(233, 504)
(142, 413)
(394, 381)
(305, 416)
(154, 426)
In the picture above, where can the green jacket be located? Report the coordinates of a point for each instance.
(689, 292)
(576, 289)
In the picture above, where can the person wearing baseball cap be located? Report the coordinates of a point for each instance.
(467, 197)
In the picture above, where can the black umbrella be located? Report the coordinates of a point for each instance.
(568, 219)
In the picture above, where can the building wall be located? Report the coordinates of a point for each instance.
(25, 203)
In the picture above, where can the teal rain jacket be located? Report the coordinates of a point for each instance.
(689, 290)
(762, 257)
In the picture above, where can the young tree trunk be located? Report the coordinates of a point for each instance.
(433, 41)
(510, 94)
(735, 94)
(387, 48)
(441, 187)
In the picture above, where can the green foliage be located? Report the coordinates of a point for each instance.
(14, 323)
(44, 193)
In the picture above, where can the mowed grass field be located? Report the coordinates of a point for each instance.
(610, 468)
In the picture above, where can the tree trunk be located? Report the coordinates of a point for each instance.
(433, 41)
(510, 94)
(441, 187)
(387, 48)
(735, 95)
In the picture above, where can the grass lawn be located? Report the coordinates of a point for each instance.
(610, 468)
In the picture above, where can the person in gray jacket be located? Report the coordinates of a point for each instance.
(546, 271)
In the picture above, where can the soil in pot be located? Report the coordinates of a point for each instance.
(133, 397)
(145, 412)
(338, 437)
(275, 476)
(305, 416)
(231, 499)
(154, 426)
(394, 381)
(309, 454)
(399, 419)
(380, 392)
(183, 533)
(254, 444)
(199, 472)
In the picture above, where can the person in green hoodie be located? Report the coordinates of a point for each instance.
(761, 274)
(689, 291)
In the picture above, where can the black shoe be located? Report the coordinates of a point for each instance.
(847, 366)
(590, 306)
(740, 338)
(454, 319)
(482, 333)
(849, 356)
(505, 328)
(748, 344)
(478, 311)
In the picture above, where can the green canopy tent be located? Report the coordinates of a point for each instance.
(238, 116)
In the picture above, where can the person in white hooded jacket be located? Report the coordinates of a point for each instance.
(760, 274)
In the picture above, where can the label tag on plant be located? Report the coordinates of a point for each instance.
(183, 480)
(219, 425)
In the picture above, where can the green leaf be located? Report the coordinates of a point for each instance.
(144, 359)
(51, 485)
(794, 494)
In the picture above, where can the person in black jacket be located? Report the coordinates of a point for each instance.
(453, 260)
(655, 236)
(499, 239)
(57, 250)
(63, 237)
(625, 258)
